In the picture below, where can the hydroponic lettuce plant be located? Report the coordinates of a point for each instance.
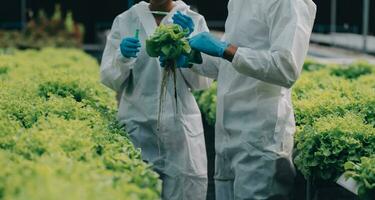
(323, 149)
(364, 174)
(58, 129)
(169, 41)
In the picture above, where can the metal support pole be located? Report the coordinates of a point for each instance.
(365, 25)
(333, 19)
(23, 14)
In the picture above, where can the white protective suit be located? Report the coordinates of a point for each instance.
(177, 151)
(255, 120)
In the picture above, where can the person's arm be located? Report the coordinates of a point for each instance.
(115, 68)
(194, 80)
(290, 24)
(230, 52)
(197, 79)
(209, 67)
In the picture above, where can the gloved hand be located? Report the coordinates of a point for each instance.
(184, 21)
(130, 47)
(208, 44)
(182, 62)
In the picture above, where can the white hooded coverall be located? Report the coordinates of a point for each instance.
(255, 120)
(177, 151)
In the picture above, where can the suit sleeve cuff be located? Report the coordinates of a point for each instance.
(121, 60)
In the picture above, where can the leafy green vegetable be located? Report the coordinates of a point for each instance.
(323, 149)
(311, 65)
(58, 130)
(364, 173)
(335, 116)
(170, 42)
(4, 70)
(44, 31)
(353, 71)
(207, 103)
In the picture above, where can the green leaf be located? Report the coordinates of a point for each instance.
(195, 57)
(349, 166)
(169, 41)
(152, 48)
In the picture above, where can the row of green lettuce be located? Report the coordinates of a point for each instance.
(335, 116)
(58, 135)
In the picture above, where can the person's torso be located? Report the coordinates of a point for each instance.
(141, 94)
(247, 108)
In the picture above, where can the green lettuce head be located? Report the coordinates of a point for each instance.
(169, 41)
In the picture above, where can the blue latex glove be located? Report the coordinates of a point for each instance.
(182, 62)
(130, 47)
(184, 21)
(208, 44)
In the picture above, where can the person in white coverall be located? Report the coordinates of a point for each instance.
(177, 150)
(256, 63)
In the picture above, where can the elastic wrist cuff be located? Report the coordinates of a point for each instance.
(225, 46)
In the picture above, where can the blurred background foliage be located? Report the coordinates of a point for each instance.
(58, 30)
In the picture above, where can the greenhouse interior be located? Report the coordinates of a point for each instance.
(187, 100)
